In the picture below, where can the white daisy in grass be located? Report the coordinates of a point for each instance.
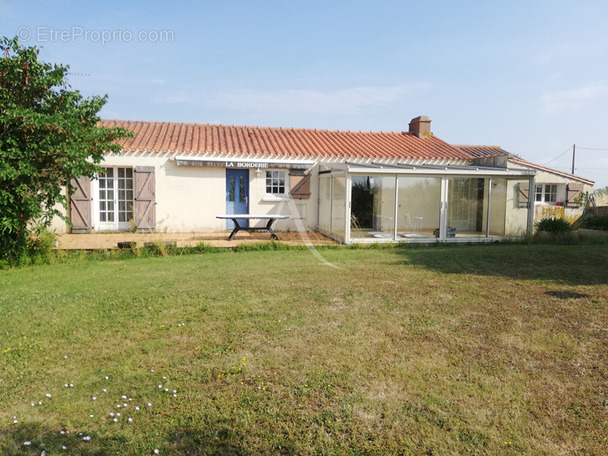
(149, 404)
(137, 408)
(130, 420)
(27, 443)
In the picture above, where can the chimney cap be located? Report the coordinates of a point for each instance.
(420, 119)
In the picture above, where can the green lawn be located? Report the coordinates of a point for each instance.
(447, 350)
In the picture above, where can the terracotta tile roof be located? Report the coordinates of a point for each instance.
(496, 151)
(185, 138)
(483, 151)
(522, 162)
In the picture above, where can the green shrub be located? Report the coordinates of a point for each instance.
(42, 243)
(596, 222)
(37, 248)
(553, 225)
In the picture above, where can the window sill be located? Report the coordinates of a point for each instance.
(275, 198)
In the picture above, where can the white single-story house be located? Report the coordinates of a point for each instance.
(350, 185)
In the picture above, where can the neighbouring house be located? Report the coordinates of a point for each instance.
(350, 185)
(554, 194)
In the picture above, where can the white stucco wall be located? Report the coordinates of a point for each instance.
(188, 198)
(303, 213)
(516, 217)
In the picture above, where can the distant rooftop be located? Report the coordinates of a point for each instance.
(483, 151)
(522, 162)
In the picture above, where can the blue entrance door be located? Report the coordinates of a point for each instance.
(237, 195)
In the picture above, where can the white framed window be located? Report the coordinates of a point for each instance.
(114, 208)
(275, 183)
(545, 193)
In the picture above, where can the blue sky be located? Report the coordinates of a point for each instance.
(530, 76)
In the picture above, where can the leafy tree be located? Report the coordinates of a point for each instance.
(48, 134)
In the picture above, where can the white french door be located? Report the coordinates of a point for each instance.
(114, 208)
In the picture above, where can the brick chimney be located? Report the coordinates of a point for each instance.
(421, 126)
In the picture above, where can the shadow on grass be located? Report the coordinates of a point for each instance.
(565, 264)
(222, 441)
(34, 439)
(567, 295)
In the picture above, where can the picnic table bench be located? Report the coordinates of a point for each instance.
(237, 227)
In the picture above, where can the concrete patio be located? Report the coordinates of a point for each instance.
(104, 241)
